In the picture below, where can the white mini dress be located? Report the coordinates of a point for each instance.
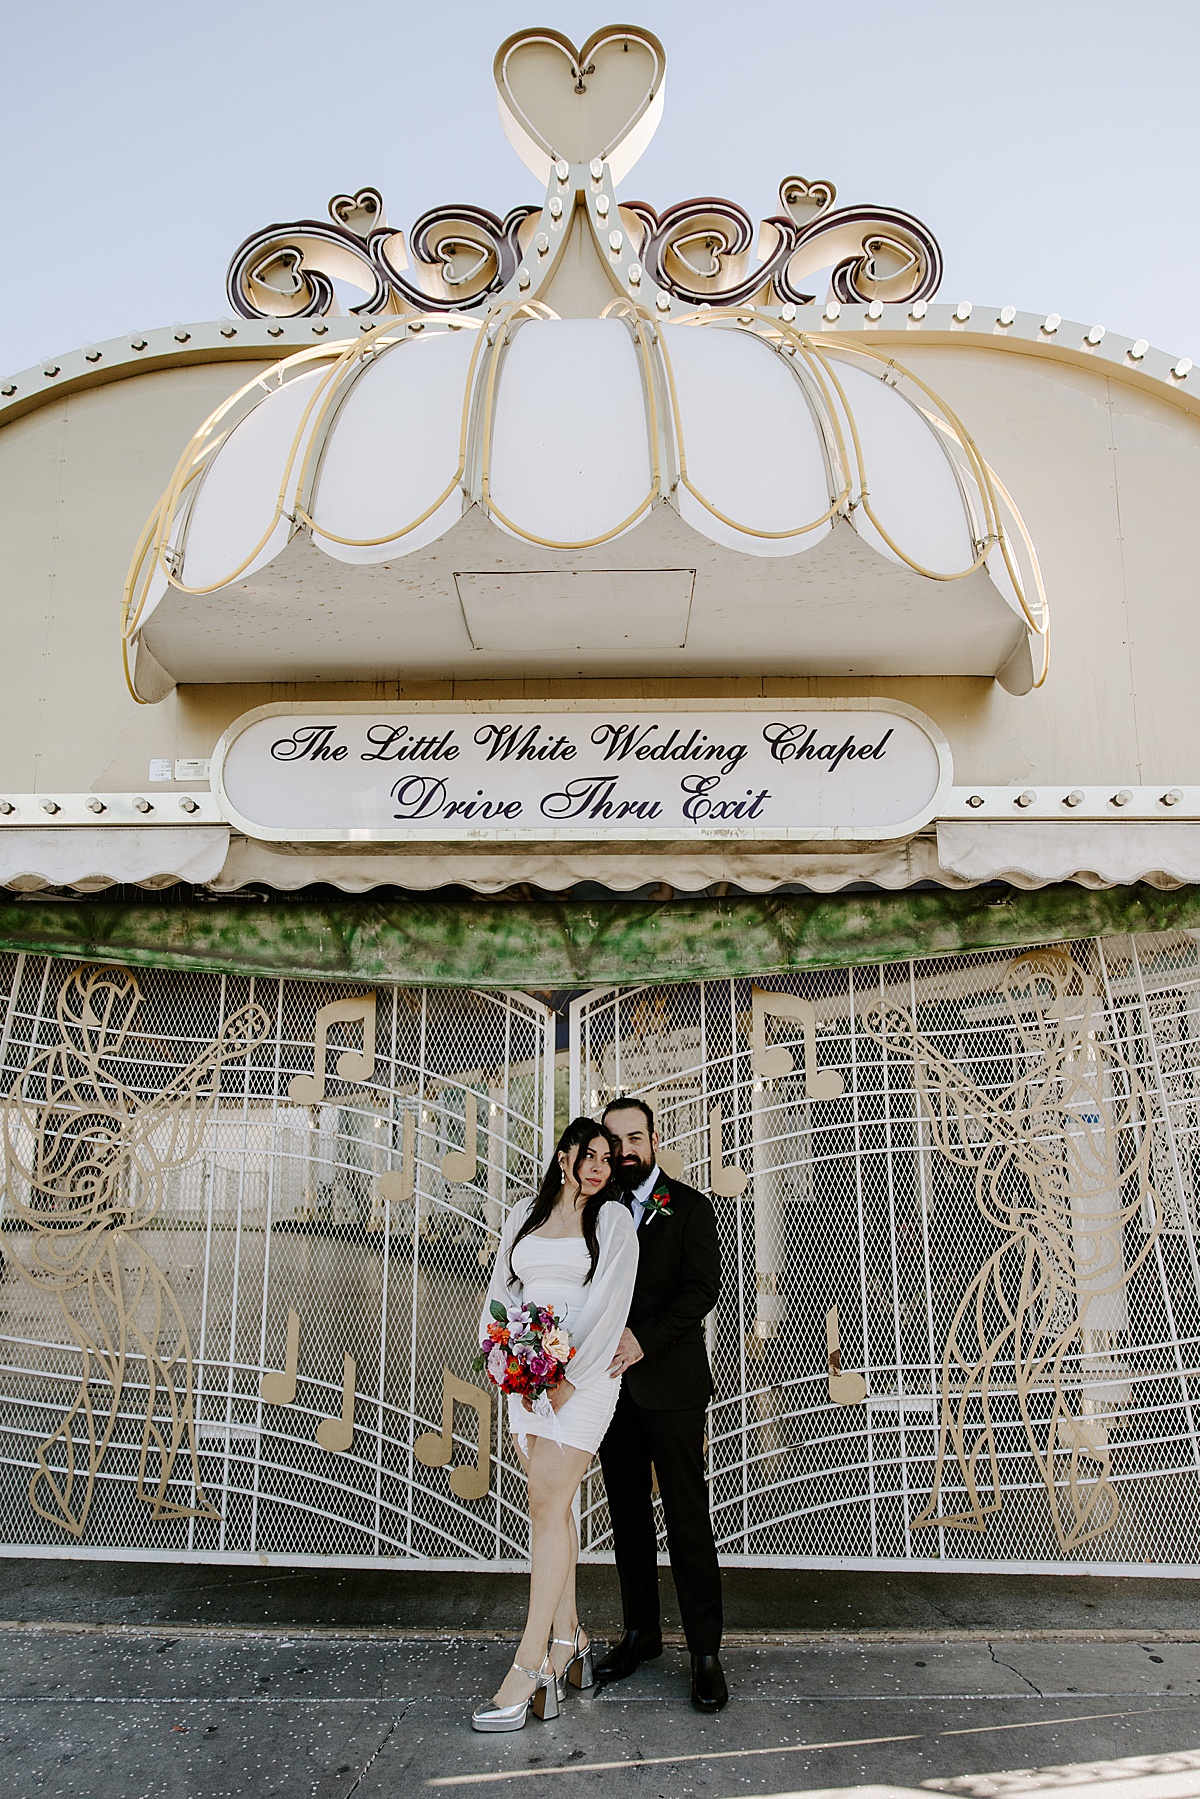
(552, 1271)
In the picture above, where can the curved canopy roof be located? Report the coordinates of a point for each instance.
(714, 493)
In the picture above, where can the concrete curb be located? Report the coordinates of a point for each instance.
(734, 1639)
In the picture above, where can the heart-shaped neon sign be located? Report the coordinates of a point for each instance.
(603, 100)
(359, 212)
(280, 271)
(806, 200)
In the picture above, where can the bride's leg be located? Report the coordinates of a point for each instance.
(554, 1475)
(566, 1613)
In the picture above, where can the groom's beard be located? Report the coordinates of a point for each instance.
(632, 1171)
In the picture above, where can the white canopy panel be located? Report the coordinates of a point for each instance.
(88, 858)
(334, 531)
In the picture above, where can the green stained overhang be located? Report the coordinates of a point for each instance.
(574, 942)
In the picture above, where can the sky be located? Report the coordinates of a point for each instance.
(1051, 147)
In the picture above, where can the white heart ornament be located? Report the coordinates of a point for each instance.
(806, 201)
(604, 100)
(887, 260)
(360, 212)
(280, 272)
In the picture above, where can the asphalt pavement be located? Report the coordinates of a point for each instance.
(159, 1682)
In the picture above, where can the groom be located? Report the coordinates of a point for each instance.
(658, 1426)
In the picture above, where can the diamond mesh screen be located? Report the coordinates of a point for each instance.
(957, 1207)
(246, 1230)
(246, 1233)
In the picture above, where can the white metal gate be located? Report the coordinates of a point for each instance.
(957, 1203)
(246, 1228)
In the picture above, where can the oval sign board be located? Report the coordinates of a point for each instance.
(527, 772)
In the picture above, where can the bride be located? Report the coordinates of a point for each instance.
(572, 1246)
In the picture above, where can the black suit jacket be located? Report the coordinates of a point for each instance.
(678, 1284)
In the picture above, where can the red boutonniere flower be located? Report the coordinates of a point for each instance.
(658, 1202)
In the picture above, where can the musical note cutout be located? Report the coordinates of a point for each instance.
(459, 1165)
(724, 1178)
(352, 1064)
(435, 1449)
(844, 1389)
(397, 1185)
(278, 1386)
(337, 1434)
(774, 1059)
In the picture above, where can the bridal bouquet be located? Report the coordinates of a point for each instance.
(526, 1351)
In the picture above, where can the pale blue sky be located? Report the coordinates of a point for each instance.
(1051, 147)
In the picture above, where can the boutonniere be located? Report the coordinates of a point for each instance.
(658, 1204)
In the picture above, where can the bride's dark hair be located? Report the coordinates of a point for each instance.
(579, 1135)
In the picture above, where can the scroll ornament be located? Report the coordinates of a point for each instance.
(1060, 1163)
(700, 250)
(462, 255)
(459, 257)
(85, 1161)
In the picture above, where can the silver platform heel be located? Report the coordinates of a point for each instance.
(580, 1670)
(542, 1702)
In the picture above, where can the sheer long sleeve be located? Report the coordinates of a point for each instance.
(606, 1310)
(502, 1286)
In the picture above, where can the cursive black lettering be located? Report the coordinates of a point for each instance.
(798, 743)
(397, 743)
(522, 743)
(699, 807)
(593, 797)
(311, 743)
(419, 796)
(480, 807)
(621, 740)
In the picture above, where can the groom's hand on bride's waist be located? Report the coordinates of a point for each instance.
(629, 1351)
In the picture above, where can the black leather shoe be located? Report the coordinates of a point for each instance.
(709, 1692)
(635, 1646)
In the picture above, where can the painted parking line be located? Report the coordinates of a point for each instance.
(715, 1755)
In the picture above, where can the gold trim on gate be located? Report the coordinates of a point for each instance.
(1061, 1165)
(85, 1157)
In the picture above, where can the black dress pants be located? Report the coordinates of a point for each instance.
(674, 1443)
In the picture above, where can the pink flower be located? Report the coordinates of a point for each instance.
(497, 1363)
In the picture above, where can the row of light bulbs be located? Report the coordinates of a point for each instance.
(95, 804)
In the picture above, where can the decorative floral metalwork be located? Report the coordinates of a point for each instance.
(1061, 1166)
(85, 1159)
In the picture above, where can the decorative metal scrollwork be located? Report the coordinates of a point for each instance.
(462, 254)
(877, 254)
(465, 252)
(1061, 1169)
(86, 1159)
(699, 250)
